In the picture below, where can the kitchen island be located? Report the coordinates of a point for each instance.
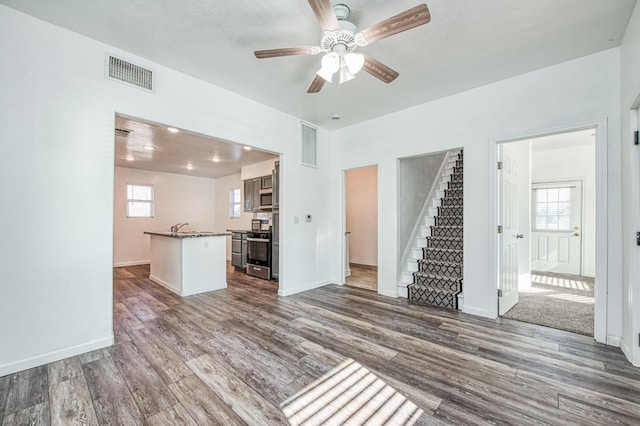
(190, 262)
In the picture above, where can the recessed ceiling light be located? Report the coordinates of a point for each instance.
(247, 148)
(189, 166)
(149, 147)
(216, 159)
(129, 158)
(173, 129)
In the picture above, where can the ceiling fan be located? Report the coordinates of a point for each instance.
(340, 39)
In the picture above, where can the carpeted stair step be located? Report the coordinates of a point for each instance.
(448, 220)
(454, 185)
(439, 282)
(442, 255)
(447, 231)
(451, 201)
(456, 177)
(427, 295)
(434, 267)
(458, 168)
(454, 243)
(453, 193)
(450, 211)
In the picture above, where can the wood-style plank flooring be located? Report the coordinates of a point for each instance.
(363, 276)
(233, 356)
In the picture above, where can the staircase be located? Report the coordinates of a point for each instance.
(438, 279)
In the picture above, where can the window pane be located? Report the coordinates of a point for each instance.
(564, 223)
(541, 222)
(541, 195)
(236, 210)
(552, 209)
(564, 195)
(552, 222)
(142, 193)
(564, 209)
(139, 209)
(236, 195)
(552, 195)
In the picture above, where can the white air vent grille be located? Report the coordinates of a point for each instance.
(123, 132)
(308, 145)
(127, 72)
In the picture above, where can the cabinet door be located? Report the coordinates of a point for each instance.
(267, 182)
(248, 195)
(276, 185)
(257, 184)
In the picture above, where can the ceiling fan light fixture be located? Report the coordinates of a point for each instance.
(354, 61)
(346, 75)
(330, 65)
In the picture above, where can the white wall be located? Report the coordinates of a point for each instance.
(630, 98)
(57, 114)
(573, 163)
(263, 168)
(561, 96)
(362, 215)
(223, 220)
(177, 198)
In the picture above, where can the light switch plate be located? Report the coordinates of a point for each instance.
(307, 218)
(296, 219)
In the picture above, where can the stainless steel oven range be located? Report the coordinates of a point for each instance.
(259, 254)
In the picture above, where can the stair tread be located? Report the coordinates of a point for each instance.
(434, 289)
(440, 249)
(436, 276)
(440, 262)
(436, 237)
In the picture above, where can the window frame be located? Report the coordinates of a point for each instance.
(151, 201)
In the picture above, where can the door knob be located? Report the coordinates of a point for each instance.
(519, 236)
(575, 234)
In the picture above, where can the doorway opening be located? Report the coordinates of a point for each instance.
(547, 239)
(181, 199)
(361, 232)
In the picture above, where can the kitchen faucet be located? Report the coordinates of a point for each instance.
(175, 228)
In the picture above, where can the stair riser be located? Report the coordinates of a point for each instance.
(457, 193)
(448, 220)
(429, 253)
(450, 211)
(451, 201)
(438, 268)
(438, 242)
(445, 300)
(454, 286)
(440, 231)
(456, 177)
(454, 185)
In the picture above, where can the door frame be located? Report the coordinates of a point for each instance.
(601, 284)
(343, 268)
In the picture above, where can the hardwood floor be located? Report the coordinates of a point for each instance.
(363, 276)
(233, 356)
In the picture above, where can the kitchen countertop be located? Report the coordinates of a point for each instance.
(189, 234)
(244, 231)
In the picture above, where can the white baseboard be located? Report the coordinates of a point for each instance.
(132, 263)
(295, 290)
(166, 285)
(626, 350)
(35, 361)
(393, 294)
(614, 341)
(402, 291)
(481, 312)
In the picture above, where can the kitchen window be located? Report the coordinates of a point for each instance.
(235, 207)
(139, 200)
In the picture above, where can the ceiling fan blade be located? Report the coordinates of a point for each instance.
(404, 21)
(379, 70)
(287, 51)
(316, 84)
(325, 14)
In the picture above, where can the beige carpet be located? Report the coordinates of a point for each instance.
(560, 301)
(349, 395)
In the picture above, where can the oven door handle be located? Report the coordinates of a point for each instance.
(258, 240)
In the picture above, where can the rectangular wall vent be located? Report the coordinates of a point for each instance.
(308, 150)
(123, 132)
(121, 70)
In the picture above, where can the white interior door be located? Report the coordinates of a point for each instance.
(556, 243)
(509, 239)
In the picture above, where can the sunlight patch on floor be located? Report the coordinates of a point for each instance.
(350, 395)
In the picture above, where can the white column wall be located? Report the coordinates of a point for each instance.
(57, 168)
(630, 98)
(561, 96)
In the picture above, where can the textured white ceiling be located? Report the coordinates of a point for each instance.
(174, 151)
(468, 43)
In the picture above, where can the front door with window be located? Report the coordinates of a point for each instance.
(556, 243)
